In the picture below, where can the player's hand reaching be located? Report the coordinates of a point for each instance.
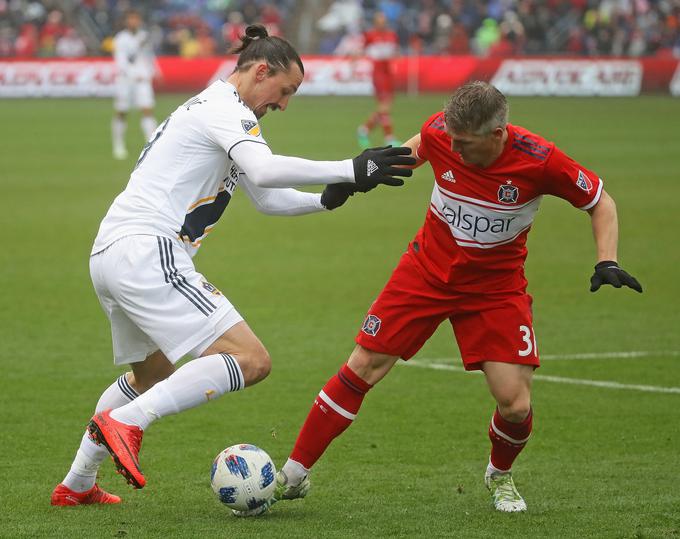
(609, 272)
(336, 194)
(380, 165)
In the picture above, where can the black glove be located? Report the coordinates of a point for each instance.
(336, 194)
(379, 165)
(609, 272)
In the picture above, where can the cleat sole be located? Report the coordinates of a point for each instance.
(98, 437)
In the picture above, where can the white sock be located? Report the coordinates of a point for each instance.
(149, 125)
(89, 457)
(118, 128)
(194, 383)
(491, 469)
(294, 472)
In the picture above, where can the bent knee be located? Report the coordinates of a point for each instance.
(514, 409)
(256, 364)
(370, 366)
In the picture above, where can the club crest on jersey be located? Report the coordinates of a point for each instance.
(508, 194)
(584, 182)
(371, 325)
(211, 288)
(251, 127)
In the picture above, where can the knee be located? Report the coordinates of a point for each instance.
(370, 366)
(256, 366)
(514, 408)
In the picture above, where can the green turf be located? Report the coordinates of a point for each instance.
(602, 463)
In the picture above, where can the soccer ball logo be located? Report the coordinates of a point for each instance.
(371, 325)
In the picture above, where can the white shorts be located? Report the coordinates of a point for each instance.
(155, 299)
(133, 94)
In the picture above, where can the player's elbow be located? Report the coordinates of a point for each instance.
(262, 176)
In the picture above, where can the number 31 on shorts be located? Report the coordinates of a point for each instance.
(529, 341)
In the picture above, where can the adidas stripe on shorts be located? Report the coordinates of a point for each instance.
(155, 299)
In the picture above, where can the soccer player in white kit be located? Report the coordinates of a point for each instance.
(135, 70)
(159, 306)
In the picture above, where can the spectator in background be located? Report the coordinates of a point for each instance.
(271, 19)
(6, 41)
(70, 45)
(26, 44)
(487, 36)
(52, 30)
(207, 46)
(233, 29)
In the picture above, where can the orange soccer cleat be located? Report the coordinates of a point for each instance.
(123, 442)
(62, 495)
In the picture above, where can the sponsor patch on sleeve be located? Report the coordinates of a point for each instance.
(251, 127)
(584, 182)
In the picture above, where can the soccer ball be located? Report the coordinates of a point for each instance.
(242, 477)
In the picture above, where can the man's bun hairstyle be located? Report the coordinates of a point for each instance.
(258, 45)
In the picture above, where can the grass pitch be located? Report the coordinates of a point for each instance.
(602, 462)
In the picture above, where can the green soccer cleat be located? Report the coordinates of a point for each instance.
(503, 493)
(283, 491)
(362, 138)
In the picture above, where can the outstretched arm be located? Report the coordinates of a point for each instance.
(281, 201)
(606, 232)
(369, 169)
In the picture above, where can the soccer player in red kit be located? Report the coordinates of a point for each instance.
(466, 265)
(381, 46)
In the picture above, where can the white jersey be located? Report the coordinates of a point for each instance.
(133, 55)
(185, 177)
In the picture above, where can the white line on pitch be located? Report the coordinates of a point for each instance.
(557, 379)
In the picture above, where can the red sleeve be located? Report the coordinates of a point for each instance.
(566, 179)
(426, 134)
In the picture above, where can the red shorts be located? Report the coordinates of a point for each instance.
(488, 327)
(383, 85)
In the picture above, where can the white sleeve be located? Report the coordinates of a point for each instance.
(281, 201)
(264, 169)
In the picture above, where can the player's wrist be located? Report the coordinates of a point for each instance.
(349, 170)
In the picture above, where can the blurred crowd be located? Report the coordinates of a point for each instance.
(486, 28)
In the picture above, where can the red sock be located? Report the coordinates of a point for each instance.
(386, 123)
(333, 411)
(507, 439)
(372, 120)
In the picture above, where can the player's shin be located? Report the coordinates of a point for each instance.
(194, 383)
(507, 440)
(333, 411)
(83, 473)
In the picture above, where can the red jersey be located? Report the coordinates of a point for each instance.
(474, 236)
(381, 46)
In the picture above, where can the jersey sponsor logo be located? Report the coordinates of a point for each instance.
(479, 223)
(251, 127)
(584, 182)
(371, 325)
(194, 101)
(371, 167)
(508, 194)
(448, 176)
